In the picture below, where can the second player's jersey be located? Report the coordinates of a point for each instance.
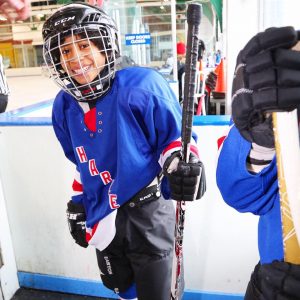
(135, 122)
(249, 192)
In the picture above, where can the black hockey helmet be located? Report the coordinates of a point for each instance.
(89, 23)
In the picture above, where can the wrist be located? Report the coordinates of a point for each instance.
(259, 158)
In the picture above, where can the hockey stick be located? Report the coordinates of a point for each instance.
(288, 168)
(194, 12)
(287, 147)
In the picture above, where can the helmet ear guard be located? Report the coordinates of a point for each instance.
(81, 22)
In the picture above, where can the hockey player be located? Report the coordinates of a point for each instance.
(267, 78)
(120, 129)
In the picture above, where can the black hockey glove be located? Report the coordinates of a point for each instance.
(279, 281)
(266, 79)
(187, 180)
(76, 220)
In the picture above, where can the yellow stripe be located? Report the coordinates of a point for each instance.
(290, 242)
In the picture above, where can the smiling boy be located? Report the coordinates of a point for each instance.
(120, 129)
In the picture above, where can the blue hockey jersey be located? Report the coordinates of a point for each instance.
(136, 120)
(254, 193)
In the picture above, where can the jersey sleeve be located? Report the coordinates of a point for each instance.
(243, 190)
(163, 119)
(156, 113)
(167, 121)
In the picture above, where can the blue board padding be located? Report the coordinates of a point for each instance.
(19, 117)
(97, 289)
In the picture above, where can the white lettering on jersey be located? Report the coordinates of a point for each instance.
(113, 201)
(106, 178)
(81, 154)
(93, 168)
(105, 175)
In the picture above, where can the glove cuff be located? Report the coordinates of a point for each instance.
(75, 207)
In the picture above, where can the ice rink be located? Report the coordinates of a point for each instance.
(30, 89)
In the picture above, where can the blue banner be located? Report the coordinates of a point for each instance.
(138, 39)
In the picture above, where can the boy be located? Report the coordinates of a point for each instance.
(266, 79)
(115, 127)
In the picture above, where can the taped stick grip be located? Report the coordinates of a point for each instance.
(194, 13)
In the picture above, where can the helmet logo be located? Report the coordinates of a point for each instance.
(64, 20)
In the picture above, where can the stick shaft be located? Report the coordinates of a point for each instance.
(288, 168)
(193, 19)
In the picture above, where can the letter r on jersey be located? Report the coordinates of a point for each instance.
(105, 177)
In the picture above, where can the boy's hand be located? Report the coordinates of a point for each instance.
(187, 180)
(76, 221)
(266, 79)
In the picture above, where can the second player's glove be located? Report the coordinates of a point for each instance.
(187, 180)
(76, 220)
(279, 281)
(266, 79)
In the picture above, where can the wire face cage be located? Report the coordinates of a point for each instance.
(82, 60)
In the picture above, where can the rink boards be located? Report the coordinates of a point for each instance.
(219, 244)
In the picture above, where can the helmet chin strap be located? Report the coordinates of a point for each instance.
(105, 86)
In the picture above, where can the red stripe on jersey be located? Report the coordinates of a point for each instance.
(173, 145)
(88, 235)
(220, 141)
(177, 144)
(194, 149)
(76, 186)
(90, 119)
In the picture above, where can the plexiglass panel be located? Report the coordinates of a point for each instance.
(145, 33)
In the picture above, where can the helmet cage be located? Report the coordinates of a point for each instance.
(100, 35)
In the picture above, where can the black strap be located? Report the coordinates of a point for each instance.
(145, 195)
(149, 193)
